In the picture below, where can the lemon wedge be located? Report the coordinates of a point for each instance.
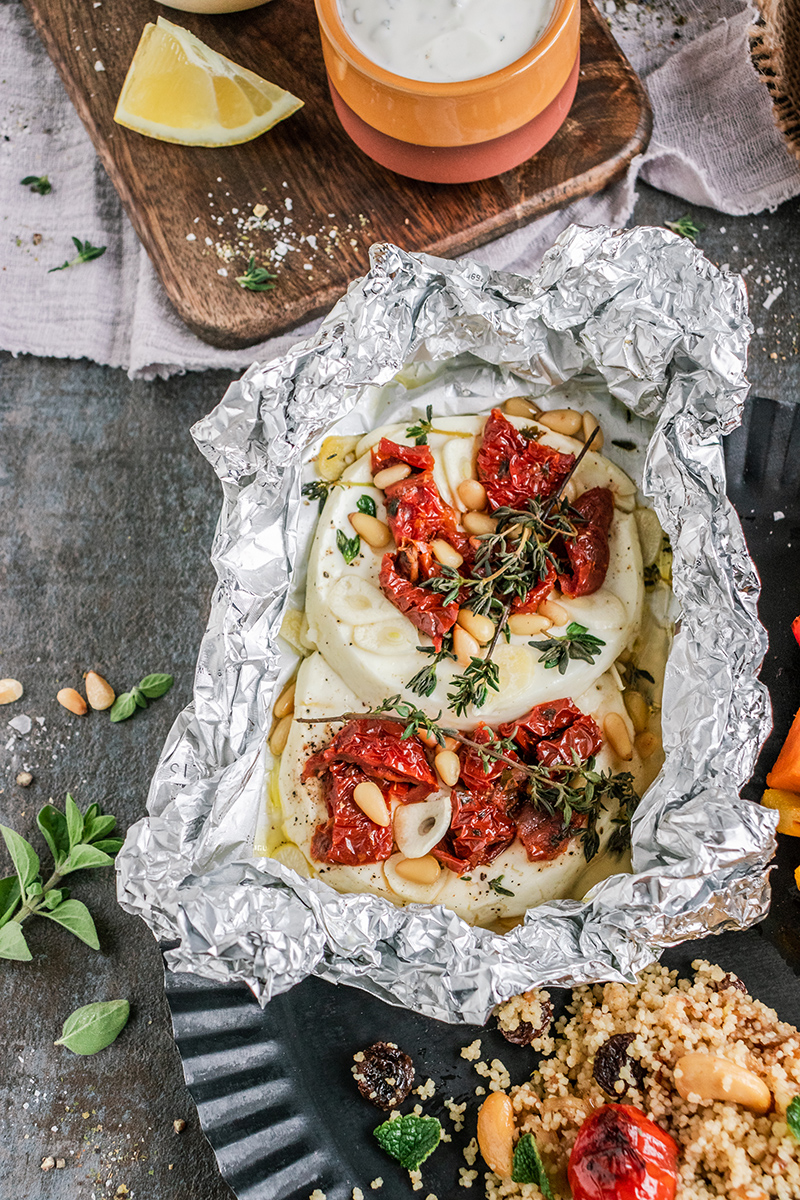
(180, 90)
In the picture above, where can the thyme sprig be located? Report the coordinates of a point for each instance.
(256, 279)
(86, 252)
(685, 227)
(424, 682)
(574, 788)
(576, 644)
(423, 427)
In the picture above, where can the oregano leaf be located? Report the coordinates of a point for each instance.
(110, 846)
(9, 898)
(84, 858)
(94, 1026)
(97, 827)
(13, 944)
(23, 856)
(156, 685)
(74, 822)
(139, 698)
(123, 707)
(74, 916)
(53, 828)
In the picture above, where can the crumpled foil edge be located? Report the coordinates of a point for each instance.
(667, 331)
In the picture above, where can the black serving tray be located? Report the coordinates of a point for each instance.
(273, 1089)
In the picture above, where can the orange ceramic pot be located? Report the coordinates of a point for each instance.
(529, 93)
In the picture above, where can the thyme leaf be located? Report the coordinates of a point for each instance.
(472, 686)
(317, 490)
(576, 644)
(86, 252)
(685, 227)
(496, 886)
(423, 427)
(256, 279)
(424, 682)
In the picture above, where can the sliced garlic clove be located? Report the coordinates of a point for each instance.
(456, 455)
(386, 637)
(420, 826)
(291, 856)
(414, 893)
(356, 602)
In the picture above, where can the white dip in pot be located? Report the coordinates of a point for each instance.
(440, 41)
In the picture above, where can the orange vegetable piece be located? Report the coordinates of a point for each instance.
(788, 805)
(796, 629)
(786, 772)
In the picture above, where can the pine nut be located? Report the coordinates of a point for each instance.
(701, 1076)
(496, 1133)
(472, 494)
(99, 691)
(638, 711)
(451, 743)
(71, 700)
(646, 744)
(333, 455)
(590, 423)
(10, 690)
(419, 870)
(429, 739)
(285, 702)
(464, 646)
(481, 628)
(446, 554)
(562, 420)
(390, 475)
(280, 735)
(524, 624)
(553, 612)
(369, 798)
(617, 736)
(374, 532)
(520, 406)
(478, 522)
(448, 767)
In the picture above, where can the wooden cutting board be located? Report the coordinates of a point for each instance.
(326, 202)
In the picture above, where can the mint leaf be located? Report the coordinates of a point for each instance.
(409, 1139)
(366, 504)
(528, 1166)
(23, 856)
(94, 1026)
(123, 707)
(349, 547)
(53, 828)
(75, 917)
(793, 1118)
(154, 686)
(13, 944)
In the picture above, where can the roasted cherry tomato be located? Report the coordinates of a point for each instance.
(620, 1154)
(480, 829)
(587, 552)
(514, 468)
(796, 629)
(348, 838)
(388, 454)
(583, 737)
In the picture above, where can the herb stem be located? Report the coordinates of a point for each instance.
(34, 903)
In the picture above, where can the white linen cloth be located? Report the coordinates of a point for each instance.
(714, 143)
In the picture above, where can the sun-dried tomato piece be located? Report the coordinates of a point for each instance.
(609, 1061)
(348, 838)
(379, 749)
(480, 829)
(475, 776)
(388, 454)
(526, 1032)
(583, 737)
(514, 468)
(620, 1154)
(415, 512)
(384, 1074)
(588, 552)
(542, 721)
(536, 595)
(422, 606)
(543, 834)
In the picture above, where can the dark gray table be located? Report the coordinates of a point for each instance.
(107, 517)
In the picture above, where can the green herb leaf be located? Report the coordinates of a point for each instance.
(685, 227)
(139, 697)
(123, 707)
(623, 444)
(74, 822)
(53, 827)
(84, 858)
(13, 944)
(793, 1118)
(472, 686)
(37, 183)
(410, 1139)
(528, 1166)
(420, 431)
(94, 1026)
(23, 856)
(576, 644)
(95, 828)
(9, 898)
(54, 898)
(256, 279)
(154, 686)
(495, 885)
(75, 917)
(366, 504)
(86, 252)
(110, 846)
(349, 547)
(317, 490)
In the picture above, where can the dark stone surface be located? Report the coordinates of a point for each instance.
(108, 514)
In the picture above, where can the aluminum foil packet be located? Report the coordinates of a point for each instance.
(638, 317)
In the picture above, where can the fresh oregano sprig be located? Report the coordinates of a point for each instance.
(78, 841)
(86, 252)
(150, 688)
(576, 644)
(94, 1026)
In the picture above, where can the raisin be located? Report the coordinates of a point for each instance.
(610, 1060)
(525, 1033)
(384, 1075)
(731, 981)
